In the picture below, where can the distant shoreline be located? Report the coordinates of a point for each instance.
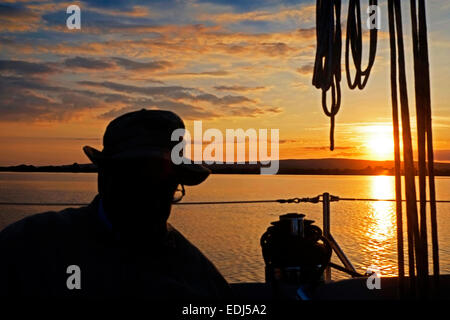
(446, 174)
(286, 167)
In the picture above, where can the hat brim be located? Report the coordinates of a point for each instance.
(187, 172)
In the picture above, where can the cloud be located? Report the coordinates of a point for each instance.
(114, 63)
(116, 67)
(225, 100)
(31, 99)
(143, 66)
(294, 13)
(11, 12)
(86, 63)
(25, 68)
(306, 69)
(34, 100)
(169, 91)
(270, 49)
(216, 73)
(18, 18)
(176, 97)
(186, 111)
(184, 42)
(135, 11)
(246, 111)
(239, 88)
(172, 92)
(250, 5)
(139, 42)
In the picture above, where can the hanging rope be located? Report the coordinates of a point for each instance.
(354, 40)
(397, 161)
(420, 145)
(327, 65)
(416, 242)
(424, 134)
(327, 74)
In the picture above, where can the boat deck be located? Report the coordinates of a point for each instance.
(349, 289)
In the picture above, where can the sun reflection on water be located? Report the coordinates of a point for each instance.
(381, 225)
(382, 212)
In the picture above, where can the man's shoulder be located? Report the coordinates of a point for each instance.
(45, 224)
(199, 268)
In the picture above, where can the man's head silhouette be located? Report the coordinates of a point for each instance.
(137, 179)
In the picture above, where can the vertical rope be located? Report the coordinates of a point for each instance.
(414, 247)
(425, 138)
(421, 123)
(397, 161)
(424, 58)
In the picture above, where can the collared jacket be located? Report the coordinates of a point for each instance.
(40, 253)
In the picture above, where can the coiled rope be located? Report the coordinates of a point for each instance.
(327, 65)
(354, 40)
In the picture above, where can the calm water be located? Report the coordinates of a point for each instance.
(229, 234)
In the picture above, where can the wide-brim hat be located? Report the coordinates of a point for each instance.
(146, 134)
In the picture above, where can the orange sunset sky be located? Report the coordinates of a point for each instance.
(233, 64)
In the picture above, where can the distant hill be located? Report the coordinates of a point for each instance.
(332, 166)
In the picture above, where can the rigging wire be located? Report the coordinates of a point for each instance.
(316, 199)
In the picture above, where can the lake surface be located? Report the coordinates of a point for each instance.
(229, 234)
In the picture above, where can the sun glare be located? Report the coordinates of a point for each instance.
(380, 143)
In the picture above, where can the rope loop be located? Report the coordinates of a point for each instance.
(354, 41)
(327, 64)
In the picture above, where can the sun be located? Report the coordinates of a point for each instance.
(381, 146)
(378, 141)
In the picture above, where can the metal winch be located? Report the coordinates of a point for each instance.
(295, 251)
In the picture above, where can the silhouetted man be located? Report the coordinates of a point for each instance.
(121, 244)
